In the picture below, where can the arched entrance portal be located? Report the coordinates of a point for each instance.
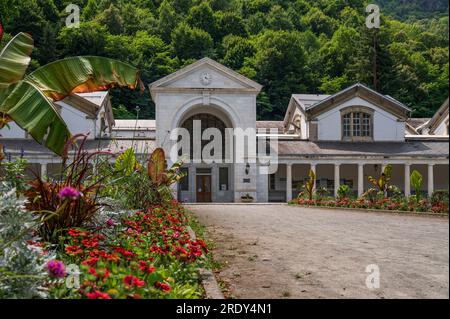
(206, 181)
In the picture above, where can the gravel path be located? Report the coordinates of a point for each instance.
(279, 251)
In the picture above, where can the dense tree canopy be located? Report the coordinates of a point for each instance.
(289, 46)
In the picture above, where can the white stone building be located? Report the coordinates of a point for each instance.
(344, 138)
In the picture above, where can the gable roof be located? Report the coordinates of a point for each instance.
(302, 101)
(88, 103)
(438, 117)
(385, 102)
(250, 85)
(307, 100)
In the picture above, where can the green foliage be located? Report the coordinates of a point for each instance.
(13, 174)
(190, 42)
(343, 191)
(126, 162)
(440, 196)
(132, 186)
(416, 182)
(288, 46)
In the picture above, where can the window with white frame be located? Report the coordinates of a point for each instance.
(357, 124)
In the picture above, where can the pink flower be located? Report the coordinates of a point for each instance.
(56, 269)
(110, 223)
(69, 192)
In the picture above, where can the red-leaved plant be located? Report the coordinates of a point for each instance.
(71, 201)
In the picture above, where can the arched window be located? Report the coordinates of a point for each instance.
(357, 124)
(207, 121)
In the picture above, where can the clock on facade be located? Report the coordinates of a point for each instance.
(206, 78)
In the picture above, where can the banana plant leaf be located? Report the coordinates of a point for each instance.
(37, 115)
(14, 61)
(31, 106)
(157, 167)
(83, 74)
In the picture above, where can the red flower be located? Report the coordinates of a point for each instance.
(91, 261)
(97, 295)
(163, 286)
(76, 232)
(131, 280)
(89, 243)
(126, 253)
(73, 250)
(145, 267)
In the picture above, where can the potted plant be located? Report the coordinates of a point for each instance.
(246, 198)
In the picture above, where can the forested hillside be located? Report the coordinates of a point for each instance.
(289, 46)
(414, 9)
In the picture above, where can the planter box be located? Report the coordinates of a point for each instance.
(247, 200)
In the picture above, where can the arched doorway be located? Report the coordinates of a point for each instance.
(207, 181)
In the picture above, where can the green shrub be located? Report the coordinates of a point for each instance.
(13, 174)
(416, 182)
(343, 191)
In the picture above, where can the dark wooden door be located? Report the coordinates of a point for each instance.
(203, 188)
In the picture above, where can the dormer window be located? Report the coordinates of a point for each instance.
(357, 124)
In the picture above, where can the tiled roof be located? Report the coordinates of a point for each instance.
(307, 100)
(410, 148)
(30, 147)
(94, 97)
(285, 148)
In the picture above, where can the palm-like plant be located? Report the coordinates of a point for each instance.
(310, 183)
(416, 182)
(28, 99)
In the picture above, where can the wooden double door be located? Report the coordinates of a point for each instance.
(203, 187)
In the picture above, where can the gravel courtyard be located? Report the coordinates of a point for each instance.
(279, 251)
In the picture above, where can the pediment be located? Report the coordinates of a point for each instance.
(358, 90)
(205, 74)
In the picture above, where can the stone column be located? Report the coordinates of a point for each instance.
(288, 182)
(407, 180)
(430, 179)
(360, 179)
(313, 168)
(43, 170)
(337, 177)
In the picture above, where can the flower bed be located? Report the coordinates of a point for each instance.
(145, 255)
(405, 205)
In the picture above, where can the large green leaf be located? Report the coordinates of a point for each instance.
(30, 103)
(14, 61)
(83, 74)
(36, 114)
(126, 162)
